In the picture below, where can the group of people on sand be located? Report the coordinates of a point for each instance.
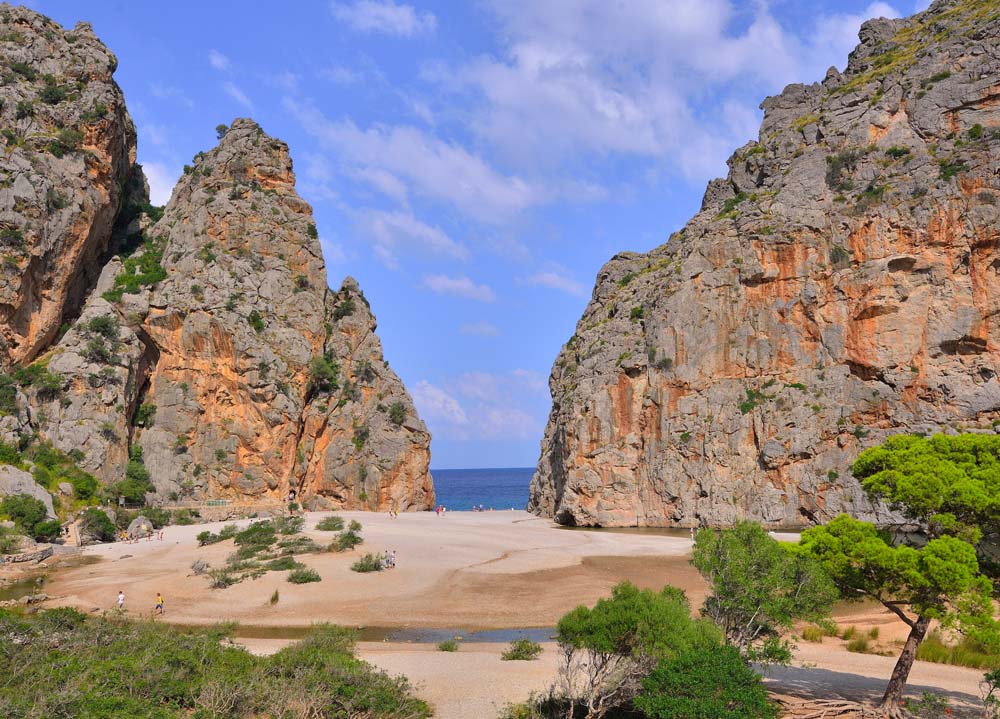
(480, 508)
(135, 540)
(389, 560)
(440, 510)
(158, 609)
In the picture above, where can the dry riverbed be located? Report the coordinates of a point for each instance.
(461, 572)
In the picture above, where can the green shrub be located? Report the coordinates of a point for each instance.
(282, 564)
(330, 524)
(812, 633)
(47, 530)
(47, 384)
(397, 413)
(521, 650)
(705, 683)
(24, 510)
(139, 270)
(52, 94)
(838, 169)
(976, 132)
(144, 415)
(72, 666)
(966, 652)
(24, 70)
(346, 541)
(255, 321)
(859, 644)
(65, 142)
(220, 131)
(98, 524)
(303, 575)
(288, 525)
(323, 373)
(10, 541)
(368, 563)
(344, 309)
(636, 313)
(948, 169)
(23, 109)
(448, 645)
(360, 436)
(258, 534)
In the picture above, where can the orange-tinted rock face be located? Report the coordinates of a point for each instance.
(266, 381)
(67, 156)
(214, 358)
(839, 286)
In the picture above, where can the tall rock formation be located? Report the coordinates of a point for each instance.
(70, 149)
(208, 359)
(839, 286)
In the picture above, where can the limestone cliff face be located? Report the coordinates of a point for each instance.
(260, 379)
(70, 149)
(208, 358)
(839, 286)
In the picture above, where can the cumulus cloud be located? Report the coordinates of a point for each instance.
(161, 181)
(384, 16)
(427, 165)
(577, 79)
(484, 405)
(480, 329)
(459, 287)
(217, 60)
(392, 232)
(437, 406)
(237, 94)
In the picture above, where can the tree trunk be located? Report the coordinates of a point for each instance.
(893, 697)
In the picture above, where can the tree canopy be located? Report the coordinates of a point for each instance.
(949, 484)
(759, 588)
(948, 487)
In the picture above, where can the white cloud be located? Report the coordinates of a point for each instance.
(161, 181)
(435, 405)
(237, 94)
(459, 287)
(217, 60)
(484, 405)
(480, 329)
(429, 166)
(384, 16)
(392, 231)
(578, 80)
(557, 278)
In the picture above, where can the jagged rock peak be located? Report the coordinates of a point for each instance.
(70, 149)
(838, 286)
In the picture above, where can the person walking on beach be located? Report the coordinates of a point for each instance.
(121, 600)
(385, 560)
(392, 559)
(159, 604)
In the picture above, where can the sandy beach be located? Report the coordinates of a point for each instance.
(462, 572)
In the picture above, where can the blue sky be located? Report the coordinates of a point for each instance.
(473, 164)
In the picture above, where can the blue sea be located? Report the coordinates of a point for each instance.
(463, 489)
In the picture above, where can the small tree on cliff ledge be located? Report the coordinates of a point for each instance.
(950, 486)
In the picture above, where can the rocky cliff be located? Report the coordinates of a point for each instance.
(207, 358)
(840, 285)
(70, 150)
